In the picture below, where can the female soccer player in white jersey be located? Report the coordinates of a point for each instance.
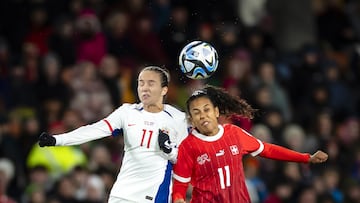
(145, 174)
(210, 158)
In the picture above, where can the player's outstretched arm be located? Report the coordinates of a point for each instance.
(280, 153)
(318, 157)
(46, 140)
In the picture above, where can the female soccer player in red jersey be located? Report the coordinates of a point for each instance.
(210, 158)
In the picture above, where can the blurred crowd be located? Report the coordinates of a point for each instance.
(67, 63)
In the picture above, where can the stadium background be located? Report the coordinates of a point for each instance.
(71, 62)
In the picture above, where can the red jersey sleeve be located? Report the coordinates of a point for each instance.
(283, 154)
(250, 143)
(179, 190)
(182, 171)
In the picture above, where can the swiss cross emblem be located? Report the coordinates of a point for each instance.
(234, 150)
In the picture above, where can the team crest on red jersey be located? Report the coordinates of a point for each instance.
(234, 150)
(203, 158)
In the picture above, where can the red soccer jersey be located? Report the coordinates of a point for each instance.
(213, 164)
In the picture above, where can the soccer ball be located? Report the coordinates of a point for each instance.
(198, 60)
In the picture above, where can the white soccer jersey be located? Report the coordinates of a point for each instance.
(145, 175)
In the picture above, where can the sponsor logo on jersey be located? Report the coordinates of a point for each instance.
(203, 158)
(234, 150)
(148, 123)
(220, 153)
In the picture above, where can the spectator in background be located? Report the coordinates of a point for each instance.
(262, 132)
(6, 174)
(206, 32)
(90, 39)
(317, 102)
(237, 74)
(251, 12)
(340, 98)
(39, 30)
(161, 11)
(267, 167)
(281, 191)
(177, 32)
(95, 189)
(5, 58)
(294, 137)
(20, 90)
(109, 71)
(50, 85)
(62, 40)
(308, 195)
(333, 25)
(332, 183)
(38, 185)
(230, 39)
(90, 96)
(64, 190)
(306, 75)
(273, 119)
(279, 97)
(117, 30)
(100, 157)
(252, 174)
(146, 41)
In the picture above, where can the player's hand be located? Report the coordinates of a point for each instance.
(179, 201)
(46, 140)
(164, 142)
(318, 157)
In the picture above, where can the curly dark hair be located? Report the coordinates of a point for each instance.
(228, 104)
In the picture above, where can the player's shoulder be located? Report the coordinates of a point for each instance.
(126, 108)
(229, 126)
(234, 128)
(174, 112)
(130, 106)
(190, 140)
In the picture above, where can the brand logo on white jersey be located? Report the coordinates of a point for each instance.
(220, 153)
(234, 150)
(203, 158)
(148, 123)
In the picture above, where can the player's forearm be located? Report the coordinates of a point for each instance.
(276, 152)
(83, 134)
(179, 191)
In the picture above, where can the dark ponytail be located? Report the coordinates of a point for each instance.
(228, 104)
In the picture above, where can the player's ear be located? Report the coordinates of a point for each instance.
(217, 112)
(191, 122)
(164, 91)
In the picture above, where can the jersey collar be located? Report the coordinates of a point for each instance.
(209, 138)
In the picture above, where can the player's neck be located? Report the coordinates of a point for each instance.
(154, 108)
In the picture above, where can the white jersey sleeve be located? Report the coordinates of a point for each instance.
(94, 131)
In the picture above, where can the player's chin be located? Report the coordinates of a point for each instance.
(145, 100)
(206, 130)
